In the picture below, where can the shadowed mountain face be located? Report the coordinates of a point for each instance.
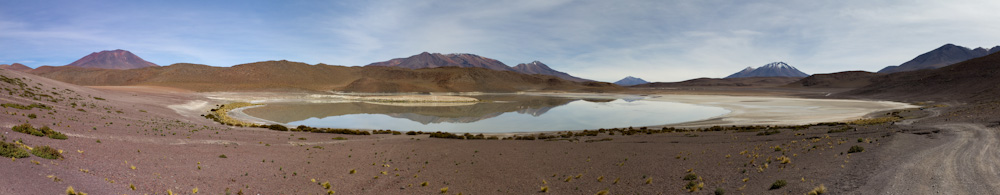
(537, 67)
(115, 59)
(630, 81)
(15, 66)
(286, 75)
(532, 105)
(972, 80)
(435, 60)
(849, 79)
(775, 69)
(945, 55)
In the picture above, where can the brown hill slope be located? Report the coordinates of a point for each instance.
(114, 59)
(435, 60)
(973, 80)
(15, 66)
(285, 75)
(727, 82)
(848, 79)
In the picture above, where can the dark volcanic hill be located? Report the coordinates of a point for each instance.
(629, 81)
(848, 79)
(285, 75)
(774, 69)
(726, 82)
(971, 80)
(537, 67)
(945, 55)
(434, 60)
(115, 59)
(15, 66)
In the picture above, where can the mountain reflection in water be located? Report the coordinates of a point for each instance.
(500, 113)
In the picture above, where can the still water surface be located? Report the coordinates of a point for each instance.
(498, 114)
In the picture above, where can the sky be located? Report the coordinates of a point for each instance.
(657, 40)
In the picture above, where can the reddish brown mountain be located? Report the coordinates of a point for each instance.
(295, 76)
(434, 60)
(537, 67)
(848, 79)
(977, 79)
(115, 59)
(15, 66)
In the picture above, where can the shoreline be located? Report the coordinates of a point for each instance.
(743, 110)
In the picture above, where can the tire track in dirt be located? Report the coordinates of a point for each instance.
(965, 164)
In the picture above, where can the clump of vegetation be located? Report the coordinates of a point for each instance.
(694, 186)
(46, 152)
(856, 149)
(339, 138)
(326, 185)
(44, 131)
(28, 107)
(603, 192)
(778, 184)
(71, 191)
(444, 190)
(817, 191)
(545, 189)
(720, 191)
(223, 156)
(875, 121)
(690, 176)
(770, 132)
(11, 150)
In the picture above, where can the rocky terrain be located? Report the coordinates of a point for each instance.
(15, 66)
(435, 60)
(945, 55)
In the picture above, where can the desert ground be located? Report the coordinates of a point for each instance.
(153, 140)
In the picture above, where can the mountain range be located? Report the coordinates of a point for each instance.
(630, 81)
(296, 76)
(975, 79)
(945, 55)
(435, 60)
(774, 69)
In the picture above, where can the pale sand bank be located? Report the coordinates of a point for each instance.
(755, 110)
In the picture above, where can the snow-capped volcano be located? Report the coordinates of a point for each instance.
(774, 69)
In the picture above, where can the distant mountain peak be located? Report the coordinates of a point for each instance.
(112, 59)
(773, 69)
(945, 55)
(630, 81)
(536, 67)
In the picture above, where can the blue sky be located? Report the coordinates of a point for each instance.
(602, 40)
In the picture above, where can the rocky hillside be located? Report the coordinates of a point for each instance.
(15, 66)
(115, 59)
(945, 55)
(848, 79)
(971, 80)
(435, 60)
(537, 67)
